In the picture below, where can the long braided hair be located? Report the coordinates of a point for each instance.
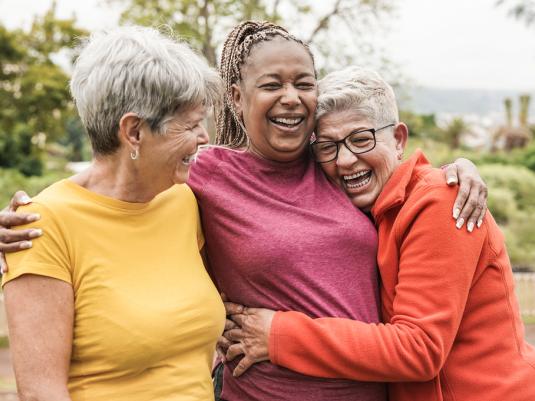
(230, 129)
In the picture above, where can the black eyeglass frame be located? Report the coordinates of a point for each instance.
(343, 141)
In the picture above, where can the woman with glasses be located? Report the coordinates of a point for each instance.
(452, 328)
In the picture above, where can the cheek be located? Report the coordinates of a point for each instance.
(330, 170)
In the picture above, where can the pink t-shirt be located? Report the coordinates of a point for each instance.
(281, 236)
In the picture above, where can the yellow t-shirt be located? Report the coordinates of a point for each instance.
(147, 315)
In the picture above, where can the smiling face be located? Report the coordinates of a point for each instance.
(277, 99)
(165, 159)
(361, 176)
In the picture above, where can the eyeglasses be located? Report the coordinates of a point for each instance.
(357, 142)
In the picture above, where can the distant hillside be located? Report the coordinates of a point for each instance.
(484, 103)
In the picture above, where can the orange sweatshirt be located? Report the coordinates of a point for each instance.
(452, 326)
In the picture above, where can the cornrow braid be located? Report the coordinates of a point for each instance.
(236, 49)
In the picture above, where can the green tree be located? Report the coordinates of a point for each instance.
(204, 23)
(523, 10)
(34, 97)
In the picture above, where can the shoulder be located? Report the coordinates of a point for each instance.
(50, 203)
(208, 163)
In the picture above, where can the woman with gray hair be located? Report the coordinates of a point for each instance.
(104, 306)
(452, 328)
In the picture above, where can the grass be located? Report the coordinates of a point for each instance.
(4, 342)
(528, 319)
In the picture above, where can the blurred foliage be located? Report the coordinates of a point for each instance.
(12, 180)
(523, 10)
(510, 177)
(34, 96)
(205, 24)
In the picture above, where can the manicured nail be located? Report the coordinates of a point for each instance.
(456, 212)
(26, 245)
(470, 227)
(36, 233)
(25, 200)
(34, 217)
(451, 181)
(479, 223)
(460, 223)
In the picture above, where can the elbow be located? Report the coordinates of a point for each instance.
(425, 367)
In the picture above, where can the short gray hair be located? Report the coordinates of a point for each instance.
(138, 70)
(359, 90)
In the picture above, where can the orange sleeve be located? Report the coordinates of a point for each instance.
(437, 263)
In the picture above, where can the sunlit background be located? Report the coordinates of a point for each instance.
(464, 72)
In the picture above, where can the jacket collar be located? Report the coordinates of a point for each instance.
(395, 191)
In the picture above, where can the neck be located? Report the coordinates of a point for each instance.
(114, 176)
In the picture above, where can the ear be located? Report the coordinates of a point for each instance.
(401, 135)
(130, 131)
(237, 98)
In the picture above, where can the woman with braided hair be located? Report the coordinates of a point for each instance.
(263, 199)
(263, 202)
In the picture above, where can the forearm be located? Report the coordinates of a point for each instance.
(40, 313)
(43, 392)
(344, 348)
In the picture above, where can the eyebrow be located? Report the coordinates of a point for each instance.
(277, 76)
(327, 137)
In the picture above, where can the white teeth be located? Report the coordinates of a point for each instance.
(357, 175)
(189, 159)
(287, 121)
(359, 184)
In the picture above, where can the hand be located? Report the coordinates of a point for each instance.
(251, 339)
(223, 343)
(16, 240)
(471, 203)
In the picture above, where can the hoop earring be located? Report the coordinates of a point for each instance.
(134, 155)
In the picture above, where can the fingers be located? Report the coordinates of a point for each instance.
(229, 325)
(471, 207)
(233, 351)
(243, 365)
(462, 196)
(234, 335)
(16, 240)
(19, 199)
(482, 200)
(452, 175)
(9, 218)
(222, 347)
(476, 218)
(10, 236)
(3, 264)
(232, 308)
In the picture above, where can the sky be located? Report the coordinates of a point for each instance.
(456, 44)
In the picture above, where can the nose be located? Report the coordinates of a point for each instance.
(202, 137)
(290, 96)
(345, 157)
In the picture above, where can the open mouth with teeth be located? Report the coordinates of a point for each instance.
(287, 122)
(358, 180)
(189, 159)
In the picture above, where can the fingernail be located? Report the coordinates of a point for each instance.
(36, 233)
(451, 180)
(25, 200)
(34, 217)
(479, 223)
(26, 245)
(460, 223)
(470, 227)
(456, 212)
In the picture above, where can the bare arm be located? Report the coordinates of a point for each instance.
(40, 312)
